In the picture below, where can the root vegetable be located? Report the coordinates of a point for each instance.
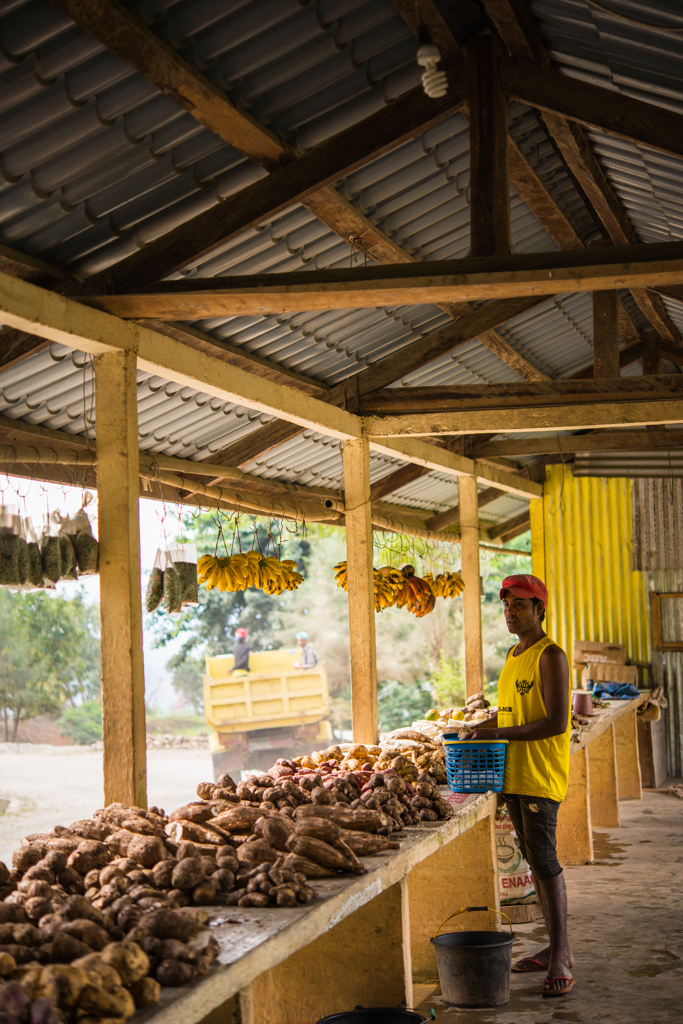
(275, 831)
(188, 873)
(145, 992)
(174, 973)
(87, 931)
(147, 850)
(256, 853)
(315, 850)
(8, 965)
(128, 960)
(318, 828)
(205, 893)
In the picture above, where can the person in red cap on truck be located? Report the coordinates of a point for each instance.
(534, 715)
(241, 651)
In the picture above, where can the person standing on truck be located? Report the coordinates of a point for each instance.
(534, 715)
(308, 657)
(241, 651)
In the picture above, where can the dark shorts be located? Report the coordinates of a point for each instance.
(535, 820)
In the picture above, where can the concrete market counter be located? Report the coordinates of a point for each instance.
(365, 939)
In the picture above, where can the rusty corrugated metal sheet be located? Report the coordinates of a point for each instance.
(594, 591)
(658, 551)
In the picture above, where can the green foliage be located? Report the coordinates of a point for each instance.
(82, 724)
(399, 704)
(49, 654)
(187, 679)
(447, 681)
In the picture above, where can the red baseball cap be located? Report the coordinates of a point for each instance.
(241, 633)
(525, 586)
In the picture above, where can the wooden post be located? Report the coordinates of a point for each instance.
(574, 826)
(361, 590)
(628, 761)
(652, 360)
(471, 595)
(537, 523)
(118, 486)
(604, 789)
(605, 335)
(489, 184)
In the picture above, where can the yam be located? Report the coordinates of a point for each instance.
(174, 973)
(187, 873)
(89, 829)
(171, 924)
(145, 992)
(319, 828)
(197, 812)
(96, 1001)
(128, 960)
(99, 971)
(8, 965)
(20, 954)
(62, 985)
(163, 873)
(147, 850)
(87, 931)
(238, 818)
(205, 893)
(320, 852)
(205, 790)
(26, 856)
(224, 878)
(257, 852)
(275, 831)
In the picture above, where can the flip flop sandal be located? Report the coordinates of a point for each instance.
(559, 991)
(518, 969)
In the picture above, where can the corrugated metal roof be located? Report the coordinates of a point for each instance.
(96, 162)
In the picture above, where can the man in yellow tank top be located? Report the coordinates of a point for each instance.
(534, 715)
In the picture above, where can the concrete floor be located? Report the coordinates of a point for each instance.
(42, 786)
(626, 929)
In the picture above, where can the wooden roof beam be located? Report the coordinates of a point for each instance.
(452, 515)
(571, 444)
(473, 278)
(516, 28)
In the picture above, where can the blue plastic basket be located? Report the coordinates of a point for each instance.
(475, 766)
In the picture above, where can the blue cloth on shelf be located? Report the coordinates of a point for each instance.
(615, 691)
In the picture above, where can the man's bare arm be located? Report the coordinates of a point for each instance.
(555, 679)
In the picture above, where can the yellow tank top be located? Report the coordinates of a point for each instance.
(532, 767)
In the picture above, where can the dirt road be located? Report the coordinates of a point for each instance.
(48, 786)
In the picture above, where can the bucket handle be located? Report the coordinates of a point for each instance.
(469, 910)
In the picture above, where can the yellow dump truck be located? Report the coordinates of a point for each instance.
(275, 710)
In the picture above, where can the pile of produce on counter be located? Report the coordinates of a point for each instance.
(96, 917)
(476, 709)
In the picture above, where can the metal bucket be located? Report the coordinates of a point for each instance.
(474, 967)
(376, 1015)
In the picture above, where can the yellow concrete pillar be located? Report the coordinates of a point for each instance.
(359, 961)
(463, 873)
(574, 826)
(118, 486)
(471, 574)
(604, 788)
(628, 759)
(361, 590)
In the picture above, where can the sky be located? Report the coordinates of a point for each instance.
(37, 499)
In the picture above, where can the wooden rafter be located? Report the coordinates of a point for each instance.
(510, 527)
(473, 278)
(444, 397)
(452, 515)
(601, 441)
(516, 28)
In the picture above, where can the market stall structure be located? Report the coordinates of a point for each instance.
(189, 197)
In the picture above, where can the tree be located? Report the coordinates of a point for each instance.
(399, 704)
(49, 654)
(82, 724)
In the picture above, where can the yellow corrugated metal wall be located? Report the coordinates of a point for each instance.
(582, 542)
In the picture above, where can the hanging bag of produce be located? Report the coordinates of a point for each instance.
(35, 572)
(85, 545)
(69, 569)
(51, 552)
(183, 558)
(155, 585)
(9, 546)
(23, 557)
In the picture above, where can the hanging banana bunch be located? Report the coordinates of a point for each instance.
(249, 569)
(395, 587)
(415, 594)
(446, 584)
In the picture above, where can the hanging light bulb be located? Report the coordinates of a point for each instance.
(434, 83)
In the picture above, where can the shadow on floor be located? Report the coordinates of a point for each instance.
(626, 929)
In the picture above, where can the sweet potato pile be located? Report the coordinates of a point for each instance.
(94, 918)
